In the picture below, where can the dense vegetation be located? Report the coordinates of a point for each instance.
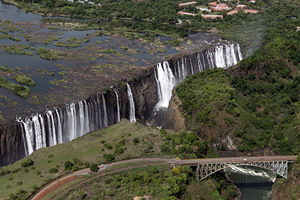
(257, 102)
(288, 188)
(158, 181)
(93, 149)
(258, 112)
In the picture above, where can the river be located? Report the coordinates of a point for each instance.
(253, 182)
(53, 88)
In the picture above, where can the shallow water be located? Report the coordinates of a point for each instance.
(34, 65)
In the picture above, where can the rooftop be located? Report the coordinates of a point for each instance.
(250, 11)
(232, 12)
(221, 6)
(212, 16)
(187, 3)
(186, 13)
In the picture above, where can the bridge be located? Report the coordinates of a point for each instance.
(209, 166)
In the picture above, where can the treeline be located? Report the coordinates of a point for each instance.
(257, 102)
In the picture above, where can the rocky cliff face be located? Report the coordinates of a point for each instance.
(66, 122)
(70, 119)
(174, 119)
(11, 143)
(145, 95)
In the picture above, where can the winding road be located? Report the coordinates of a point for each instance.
(140, 162)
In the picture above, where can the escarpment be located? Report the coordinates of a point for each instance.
(151, 89)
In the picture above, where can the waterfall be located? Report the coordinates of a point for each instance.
(63, 125)
(99, 112)
(59, 127)
(86, 117)
(76, 119)
(28, 135)
(166, 81)
(131, 104)
(105, 112)
(118, 107)
(167, 76)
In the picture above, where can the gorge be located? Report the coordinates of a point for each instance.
(150, 91)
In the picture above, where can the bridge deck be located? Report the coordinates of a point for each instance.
(237, 159)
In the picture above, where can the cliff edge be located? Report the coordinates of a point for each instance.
(174, 119)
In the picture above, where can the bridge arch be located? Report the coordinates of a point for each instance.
(204, 170)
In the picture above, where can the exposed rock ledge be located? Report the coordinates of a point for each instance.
(174, 119)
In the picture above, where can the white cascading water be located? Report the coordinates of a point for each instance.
(131, 104)
(271, 176)
(29, 135)
(40, 137)
(214, 58)
(99, 112)
(59, 126)
(81, 117)
(51, 128)
(166, 81)
(118, 107)
(105, 112)
(86, 117)
(71, 112)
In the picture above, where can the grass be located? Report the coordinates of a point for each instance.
(18, 49)
(108, 51)
(87, 149)
(23, 79)
(20, 90)
(48, 54)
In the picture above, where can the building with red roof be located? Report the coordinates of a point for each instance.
(212, 16)
(187, 3)
(220, 7)
(186, 13)
(213, 3)
(232, 12)
(242, 6)
(250, 11)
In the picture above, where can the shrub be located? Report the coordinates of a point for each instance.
(27, 163)
(110, 192)
(165, 148)
(68, 165)
(122, 143)
(115, 185)
(19, 183)
(74, 168)
(136, 141)
(81, 194)
(3, 172)
(119, 150)
(109, 157)
(53, 170)
(108, 146)
(94, 167)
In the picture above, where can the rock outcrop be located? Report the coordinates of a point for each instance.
(174, 118)
(145, 95)
(11, 143)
